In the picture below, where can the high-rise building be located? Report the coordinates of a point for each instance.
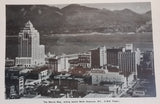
(112, 56)
(30, 52)
(128, 60)
(146, 68)
(98, 57)
(53, 65)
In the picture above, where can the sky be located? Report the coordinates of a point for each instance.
(140, 7)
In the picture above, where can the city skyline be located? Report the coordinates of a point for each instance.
(86, 58)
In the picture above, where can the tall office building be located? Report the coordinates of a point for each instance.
(30, 52)
(128, 59)
(98, 57)
(112, 56)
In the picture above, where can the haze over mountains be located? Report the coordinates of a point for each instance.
(74, 18)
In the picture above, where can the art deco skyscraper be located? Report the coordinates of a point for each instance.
(30, 52)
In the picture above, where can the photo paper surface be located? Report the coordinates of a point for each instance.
(79, 52)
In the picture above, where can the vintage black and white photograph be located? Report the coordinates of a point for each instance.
(83, 50)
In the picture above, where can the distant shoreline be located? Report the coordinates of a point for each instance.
(83, 34)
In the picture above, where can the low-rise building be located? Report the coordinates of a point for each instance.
(66, 82)
(83, 61)
(36, 76)
(14, 82)
(109, 88)
(9, 62)
(79, 71)
(99, 75)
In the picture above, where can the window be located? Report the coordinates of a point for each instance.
(25, 36)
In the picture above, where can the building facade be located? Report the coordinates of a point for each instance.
(99, 76)
(112, 56)
(83, 61)
(30, 52)
(63, 64)
(9, 62)
(98, 57)
(14, 82)
(53, 64)
(129, 59)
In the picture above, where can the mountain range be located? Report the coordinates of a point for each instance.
(73, 18)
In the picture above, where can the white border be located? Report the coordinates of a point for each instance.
(156, 41)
